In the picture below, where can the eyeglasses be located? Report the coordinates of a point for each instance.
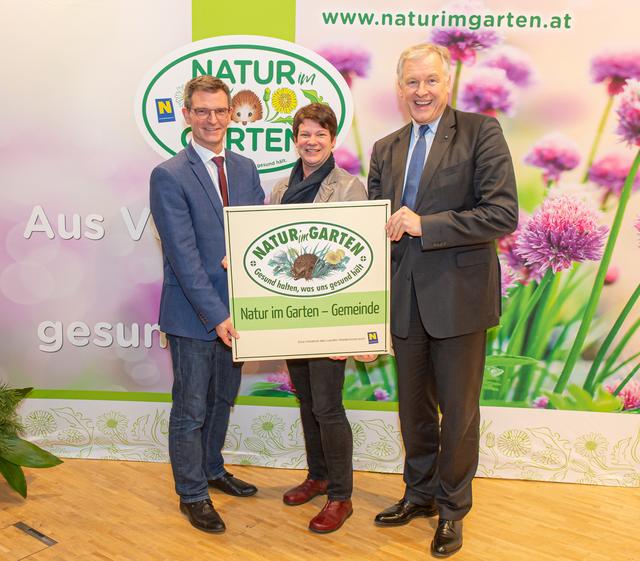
(203, 113)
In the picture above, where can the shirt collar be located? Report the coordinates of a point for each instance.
(433, 127)
(204, 153)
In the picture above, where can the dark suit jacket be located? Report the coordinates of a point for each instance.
(466, 199)
(188, 215)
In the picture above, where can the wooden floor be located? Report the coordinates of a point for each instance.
(127, 511)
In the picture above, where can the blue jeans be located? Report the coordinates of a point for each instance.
(205, 385)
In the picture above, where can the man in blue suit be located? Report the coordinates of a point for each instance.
(188, 193)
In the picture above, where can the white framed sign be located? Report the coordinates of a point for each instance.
(309, 280)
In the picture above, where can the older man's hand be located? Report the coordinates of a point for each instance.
(403, 221)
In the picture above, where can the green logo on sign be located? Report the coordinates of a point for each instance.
(269, 80)
(308, 259)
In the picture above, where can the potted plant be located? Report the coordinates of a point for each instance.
(15, 452)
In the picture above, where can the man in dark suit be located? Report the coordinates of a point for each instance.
(188, 193)
(450, 178)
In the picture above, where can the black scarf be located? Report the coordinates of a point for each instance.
(304, 190)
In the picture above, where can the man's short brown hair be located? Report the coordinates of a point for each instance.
(204, 83)
(321, 114)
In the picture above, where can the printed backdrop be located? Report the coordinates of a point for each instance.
(80, 264)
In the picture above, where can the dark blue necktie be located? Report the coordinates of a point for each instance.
(414, 172)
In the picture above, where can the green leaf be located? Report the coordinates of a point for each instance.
(360, 393)
(265, 386)
(580, 400)
(24, 453)
(283, 120)
(270, 393)
(22, 392)
(503, 403)
(14, 476)
(313, 96)
(509, 360)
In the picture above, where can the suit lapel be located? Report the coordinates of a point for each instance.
(399, 151)
(444, 136)
(204, 178)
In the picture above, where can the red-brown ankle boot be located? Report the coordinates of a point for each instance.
(331, 517)
(305, 492)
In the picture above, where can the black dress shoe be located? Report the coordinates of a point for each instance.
(404, 511)
(233, 486)
(203, 516)
(448, 538)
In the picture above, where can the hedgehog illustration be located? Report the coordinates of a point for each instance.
(246, 107)
(303, 266)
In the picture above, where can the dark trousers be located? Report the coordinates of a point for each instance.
(441, 455)
(205, 385)
(327, 433)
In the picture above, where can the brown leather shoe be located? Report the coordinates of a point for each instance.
(331, 517)
(305, 492)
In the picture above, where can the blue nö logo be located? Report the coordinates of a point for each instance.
(164, 108)
(372, 336)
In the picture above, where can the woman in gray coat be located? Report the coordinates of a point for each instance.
(315, 178)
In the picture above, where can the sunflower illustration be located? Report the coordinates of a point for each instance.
(284, 100)
(514, 443)
(268, 426)
(334, 257)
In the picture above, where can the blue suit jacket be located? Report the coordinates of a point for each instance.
(188, 215)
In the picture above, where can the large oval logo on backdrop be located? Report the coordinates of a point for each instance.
(269, 80)
(308, 259)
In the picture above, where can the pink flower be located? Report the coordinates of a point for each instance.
(630, 394)
(283, 379)
(349, 62)
(465, 41)
(514, 62)
(506, 249)
(636, 224)
(613, 273)
(347, 160)
(563, 230)
(554, 153)
(487, 90)
(616, 68)
(381, 394)
(629, 113)
(508, 278)
(541, 402)
(610, 172)
(462, 43)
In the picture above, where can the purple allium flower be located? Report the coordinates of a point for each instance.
(514, 62)
(463, 42)
(563, 230)
(349, 62)
(381, 394)
(630, 394)
(613, 274)
(508, 279)
(283, 379)
(347, 160)
(554, 153)
(629, 113)
(487, 90)
(610, 172)
(540, 402)
(616, 68)
(506, 246)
